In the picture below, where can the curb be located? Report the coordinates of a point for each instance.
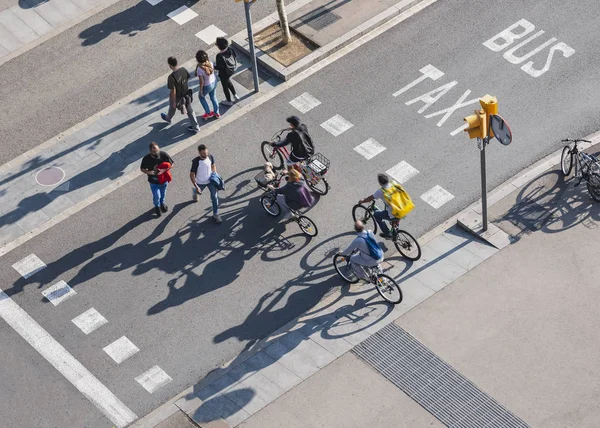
(240, 40)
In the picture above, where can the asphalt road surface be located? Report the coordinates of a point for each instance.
(191, 294)
(95, 63)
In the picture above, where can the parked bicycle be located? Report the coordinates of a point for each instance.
(385, 285)
(313, 169)
(269, 203)
(587, 167)
(405, 243)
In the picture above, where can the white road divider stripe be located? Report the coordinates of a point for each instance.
(64, 362)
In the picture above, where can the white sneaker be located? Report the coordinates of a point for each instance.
(235, 97)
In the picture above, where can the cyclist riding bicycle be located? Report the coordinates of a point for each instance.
(369, 252)
(299, 139)
(293, 196)
(396, 200)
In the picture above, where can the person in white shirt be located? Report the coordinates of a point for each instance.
(203, 167)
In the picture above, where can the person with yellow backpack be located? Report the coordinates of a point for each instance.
(397, 203)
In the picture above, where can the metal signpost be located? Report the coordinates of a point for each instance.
(483, 125)
(247, 4)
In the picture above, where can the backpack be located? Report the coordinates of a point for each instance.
(398, 200)
(305, 197)
(230, 62)
(375, 250)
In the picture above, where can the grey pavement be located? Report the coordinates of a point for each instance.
(100, 60)
(192, 296)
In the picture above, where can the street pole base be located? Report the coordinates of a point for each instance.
(472, 223)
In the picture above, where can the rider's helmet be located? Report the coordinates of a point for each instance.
(294, 121)
(383, 179)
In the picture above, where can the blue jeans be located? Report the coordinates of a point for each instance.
(158, 193)
(209, 90)
(214, 196)
(380, 217)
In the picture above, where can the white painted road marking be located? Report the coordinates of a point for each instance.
(437, 196)
(64, 362)
(29, 266)
(153, 379)
(402, 172)
(121, 349)
(429, 71)
(209, 34)
(154, 2)
(182, 15)
(336, 125)
(89, 321)
(369, 149)
(305, 102)
(58, 292)
(459, 130)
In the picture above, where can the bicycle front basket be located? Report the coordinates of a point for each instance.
(318, 164)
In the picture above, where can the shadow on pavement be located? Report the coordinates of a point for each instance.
(131, 21)
(551, 203)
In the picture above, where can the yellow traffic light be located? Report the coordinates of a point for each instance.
(477, 124)
(490, 106)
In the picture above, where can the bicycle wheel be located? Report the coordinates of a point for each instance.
(407, 245)
(307, 226)
(320, 185)
(272, 155)
(344, 269)
(362, 213)
(593, 186)
(566, 161)
(388, 289)
(270, 205)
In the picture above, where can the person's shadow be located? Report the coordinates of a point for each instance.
(131, 21)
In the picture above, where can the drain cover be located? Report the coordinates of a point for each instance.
(246, 79)
(49, 176)
(320, 19)
(431, 382)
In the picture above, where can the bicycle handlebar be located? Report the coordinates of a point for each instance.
(570, 140)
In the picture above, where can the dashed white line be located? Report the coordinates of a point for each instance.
(29, 265)
(182, 15)
(336, 125)
(459, 130)
(153, 379)
(402, 172)
(64, 362)
(154, 2)
(209, 34)
(369, 149)
(58, 293)
(305, 102)
(89, 321)
(437, 196)
(121, 349)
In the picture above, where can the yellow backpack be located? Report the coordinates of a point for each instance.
(398, 200)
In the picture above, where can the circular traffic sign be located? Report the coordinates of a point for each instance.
(501, 130)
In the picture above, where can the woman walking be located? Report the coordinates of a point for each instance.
(205, 70)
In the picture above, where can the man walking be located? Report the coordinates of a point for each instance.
(180, 96)
(149, 166)
(226, 64)
(203, 167)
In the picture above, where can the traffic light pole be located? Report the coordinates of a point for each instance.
(484, 219)
(251, 44)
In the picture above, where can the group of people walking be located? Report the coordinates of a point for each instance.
(180, 94)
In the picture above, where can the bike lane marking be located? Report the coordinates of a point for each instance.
(34, 334)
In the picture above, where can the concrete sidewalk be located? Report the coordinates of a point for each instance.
(509, 338)
(26, 23)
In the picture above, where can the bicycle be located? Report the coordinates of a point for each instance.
(587, 167)
(405, 243)
(269, 203)
(385, 285)
(313, 169)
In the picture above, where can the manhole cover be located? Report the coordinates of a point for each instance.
(320, 19)
(49, 176)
